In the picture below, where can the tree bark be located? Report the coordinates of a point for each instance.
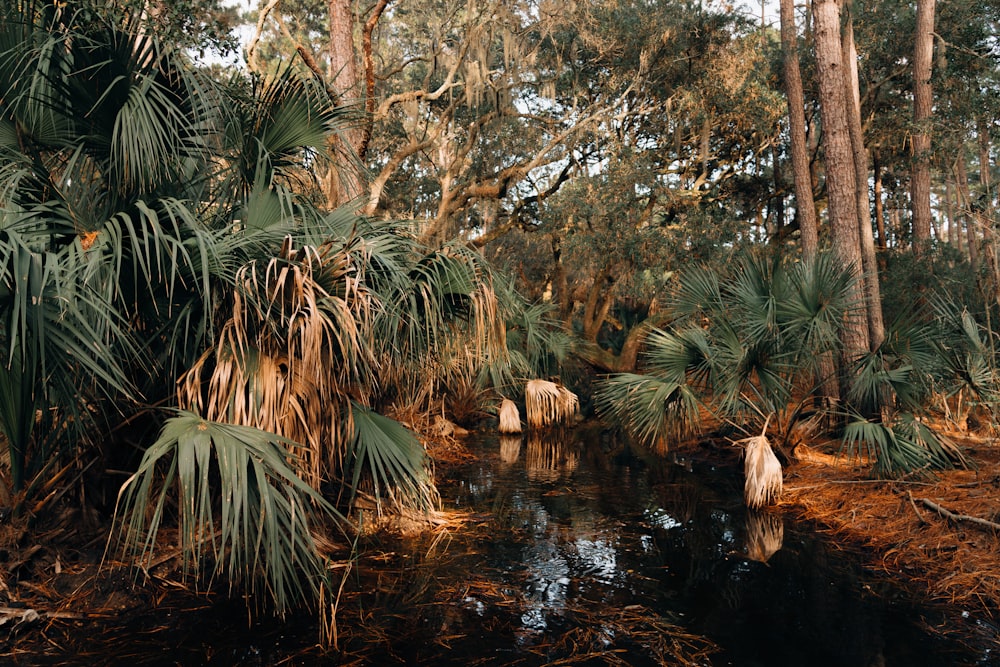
(962, 185)
(920, 177)
(840, 176)
(599, 300)
(805, 207)
(869, 265)
(344, 179)
(879, 207)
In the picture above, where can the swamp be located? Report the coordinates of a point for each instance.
(499, 332)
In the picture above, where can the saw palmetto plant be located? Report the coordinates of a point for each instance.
(745, 346)
(159, 244)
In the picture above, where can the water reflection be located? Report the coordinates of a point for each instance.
(581, 549)
(550, 455)
(765, 533)
(510, 448)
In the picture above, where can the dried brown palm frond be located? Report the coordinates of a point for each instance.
(762, 470)
(510, 418)
(548, 404)
(290, 355)
(765, 535)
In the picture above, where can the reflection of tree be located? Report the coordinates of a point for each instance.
(765, 535)
(548, 456)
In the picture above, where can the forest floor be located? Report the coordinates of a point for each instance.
(937, 535)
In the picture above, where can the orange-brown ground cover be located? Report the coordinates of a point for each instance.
(954, 559)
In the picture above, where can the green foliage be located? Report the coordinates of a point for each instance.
(904, 446)
(393, 458)
(157, 224)
(746, 344)
(239, 501)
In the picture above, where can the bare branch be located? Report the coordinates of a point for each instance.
(258, 32)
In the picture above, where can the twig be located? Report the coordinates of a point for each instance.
(915, 510)
(959, 517)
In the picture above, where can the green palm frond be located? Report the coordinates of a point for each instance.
(650, 409)
(698, 294)
(391, 458)
(680, 356)
(818, 296)
(903, 446)
(242, 509)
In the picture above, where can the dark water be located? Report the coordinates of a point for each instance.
(577, 549)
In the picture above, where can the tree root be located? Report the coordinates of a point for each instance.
(959, 517)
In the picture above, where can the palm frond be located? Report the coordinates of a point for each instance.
(392, 458)
(548, 404)
(762, 472)
(650, 409)
(903, 446)
(254, 527)
(510, 418)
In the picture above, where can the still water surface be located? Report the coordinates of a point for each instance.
(579, 549)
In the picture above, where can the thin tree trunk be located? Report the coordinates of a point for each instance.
(983, 209)
(949, 207)
(920, 178)
(805, 207)
(962, 184)
(879, 206)
(869, 265)
(840, 175)
(560, 284)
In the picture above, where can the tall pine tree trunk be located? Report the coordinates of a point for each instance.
(840, 176)
(344, 179)
(869, 266)
(805, 207)
(920, 176)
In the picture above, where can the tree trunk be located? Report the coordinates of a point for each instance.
(627, 360)
(962, 185)
(840, 175)
(599, 300)
(879, 207)
(560, 285)
(805, 207)
(920, 178)
(869, 266)
(344, 179)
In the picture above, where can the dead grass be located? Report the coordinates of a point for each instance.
(953, 561)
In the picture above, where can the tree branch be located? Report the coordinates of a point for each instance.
(959, 517)
(366, 46)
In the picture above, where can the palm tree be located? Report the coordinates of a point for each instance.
(159, 244)
(745, 347)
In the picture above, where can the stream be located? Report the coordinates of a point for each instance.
(580, 549)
